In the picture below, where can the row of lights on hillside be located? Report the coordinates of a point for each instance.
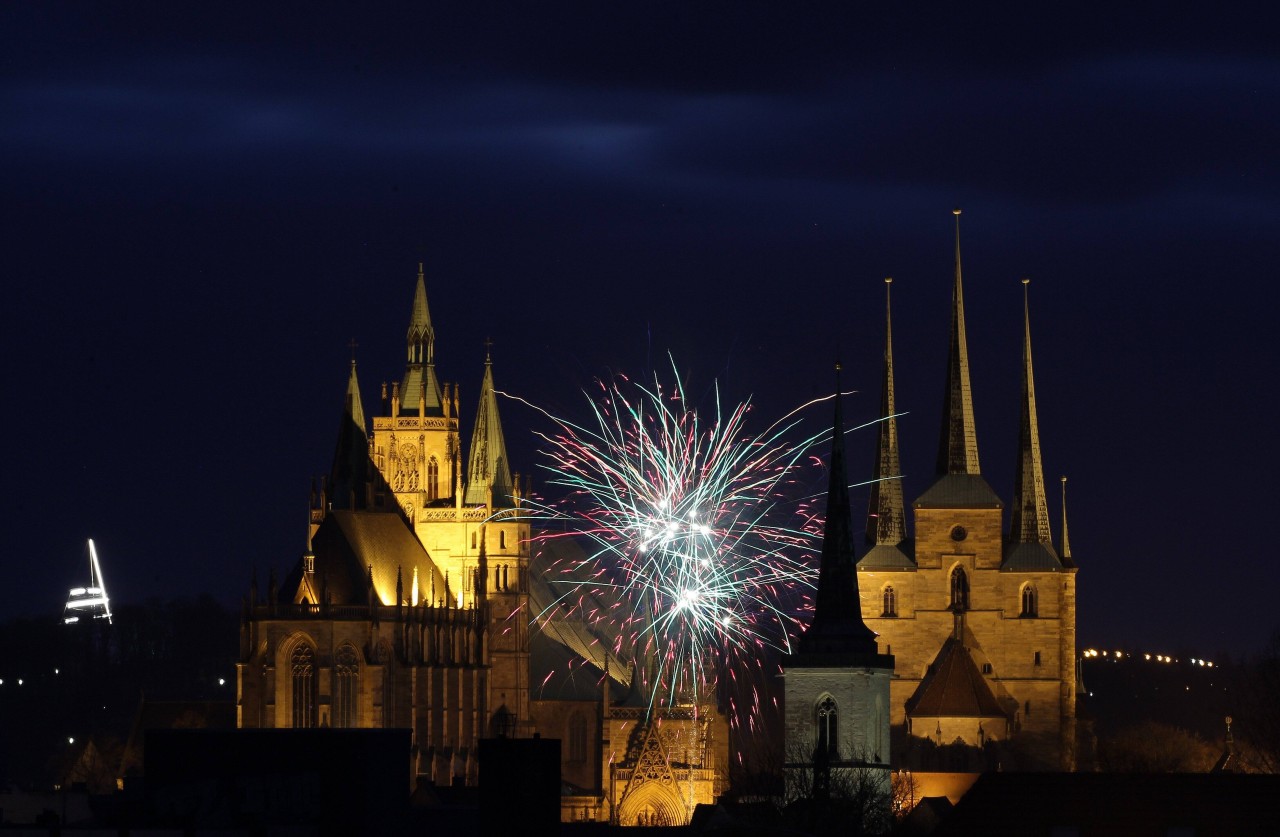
(1159, 658)
(55, 671)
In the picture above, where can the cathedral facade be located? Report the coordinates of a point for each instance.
(414, 606)
(980, 619)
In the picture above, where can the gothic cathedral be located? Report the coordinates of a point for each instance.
(411, 607)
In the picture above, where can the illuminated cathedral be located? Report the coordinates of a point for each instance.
(412, 607)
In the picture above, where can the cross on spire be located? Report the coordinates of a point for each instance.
(352, 344)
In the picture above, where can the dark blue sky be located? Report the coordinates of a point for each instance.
(201, 206)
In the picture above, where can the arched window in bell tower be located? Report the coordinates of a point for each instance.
(890, 597)
(1030, 601)
(433, 479)
(959, 589)
(827, 726)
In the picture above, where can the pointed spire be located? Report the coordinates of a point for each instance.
(1029, 518)
(958, 450)
(837, 614)
(1066, 542)
(351, 466)
(420, 370)
(488, 472)
(886, 515)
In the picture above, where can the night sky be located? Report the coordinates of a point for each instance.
(203, 203)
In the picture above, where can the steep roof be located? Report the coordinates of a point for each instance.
(565, 607)
(954, 688)
(959, 491)
(348, 543)
(886, 557)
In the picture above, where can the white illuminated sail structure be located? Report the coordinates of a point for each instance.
(90, 602)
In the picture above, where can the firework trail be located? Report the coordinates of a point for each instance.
(701, 553)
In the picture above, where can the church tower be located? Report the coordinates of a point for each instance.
(466, 517)
(836, 684)
(982, 623)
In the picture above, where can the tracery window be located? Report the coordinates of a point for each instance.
(433, 479)
(890, 601)
(303, 677)
(1030, 601)
(827, 726)
(959, 589)
(346, 683)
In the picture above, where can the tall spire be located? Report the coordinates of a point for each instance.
(886, 516)
(420, 369)
(350, 471)
(958, 450)
(1029, 516)
(837, 614)
(488, 472)
(1066, 543)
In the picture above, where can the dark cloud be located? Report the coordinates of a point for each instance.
(203, 204)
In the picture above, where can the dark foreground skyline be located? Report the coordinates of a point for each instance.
(201, 208)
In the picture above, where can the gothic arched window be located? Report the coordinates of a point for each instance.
(890, 601)
(346, 683)
(1030, 601)
(827, 725)
(959, 589)
(303, 682)
(502, 539)
(433, 479)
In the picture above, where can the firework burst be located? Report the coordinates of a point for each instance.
(702, 554)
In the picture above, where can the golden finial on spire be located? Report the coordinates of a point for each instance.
(955, 211)
(888, 280)
(1026, 281)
